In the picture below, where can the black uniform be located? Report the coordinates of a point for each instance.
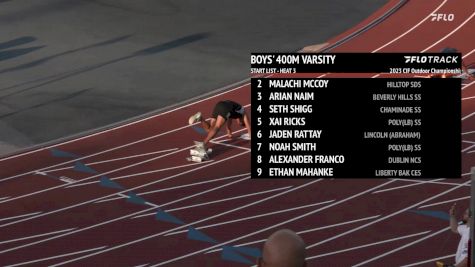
(228, 109)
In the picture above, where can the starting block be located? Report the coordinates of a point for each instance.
(198, 154)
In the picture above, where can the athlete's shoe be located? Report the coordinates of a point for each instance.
(195, 118)
(246, 136)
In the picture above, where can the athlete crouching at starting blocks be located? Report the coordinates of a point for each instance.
(223, 113)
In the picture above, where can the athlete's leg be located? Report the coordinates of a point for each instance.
(208, 125)
(229, 131)
(247, 123)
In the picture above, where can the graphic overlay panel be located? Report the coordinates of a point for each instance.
(356, 127)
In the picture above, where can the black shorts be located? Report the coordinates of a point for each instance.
(228, 109)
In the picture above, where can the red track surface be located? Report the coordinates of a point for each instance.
(353, 222)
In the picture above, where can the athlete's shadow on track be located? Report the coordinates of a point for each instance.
(141, 53)
(17, 52)
(49, 102)
(43, 60)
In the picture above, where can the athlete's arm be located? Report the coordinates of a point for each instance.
(214, 129)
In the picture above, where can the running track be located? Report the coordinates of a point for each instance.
(45, 221)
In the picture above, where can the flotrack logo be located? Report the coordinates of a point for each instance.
(432, 59)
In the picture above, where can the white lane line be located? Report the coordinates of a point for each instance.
(429, 260)
(144, 215)
(153, 213)
(428, 182)
(467, 98)
(387, 216)
(179, 186)
(274, 225)
(469, 53)
(145, 203)
(2, 198)
(467, 85)
(127, 190)
(233, 146)
(204, 192)
(20, 216)
(469, 142)
(452, 32)
(34, 236)
(217, 201)
(411, 29)
(123, 217)
(57, 256)
(408, 185)
(152, 171)
(114, 159)
(468, 116)
(443, 202)
(471, 132)
(222, 89)
(402, 247)
(367, 245)
(252, 217)
(144, 173)
(468, 148)
(304, 231)
(230, 198)
(337, 224)
(193, 223)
